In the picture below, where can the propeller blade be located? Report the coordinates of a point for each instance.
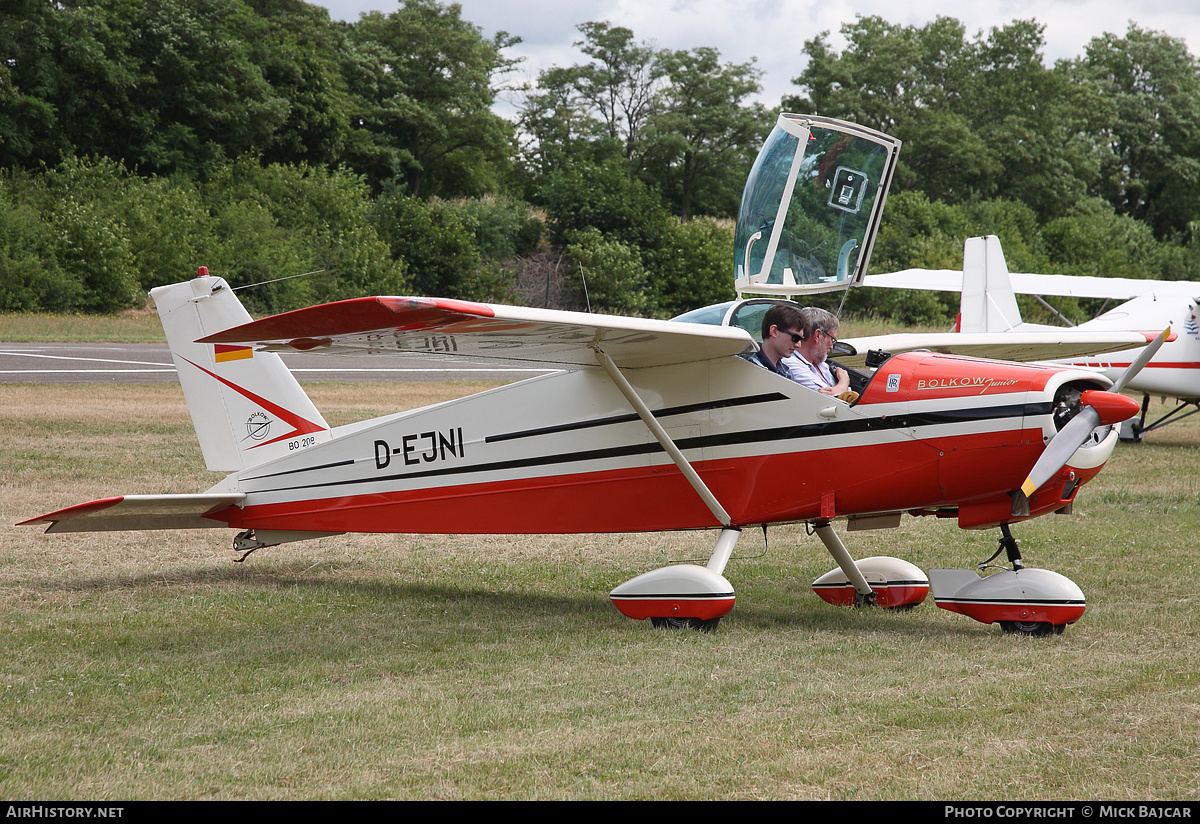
(1141, 360)
(1060, 450)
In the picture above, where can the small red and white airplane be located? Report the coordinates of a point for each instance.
(988, 304)
(650, 424)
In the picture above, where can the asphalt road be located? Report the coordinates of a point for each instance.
(151, 363)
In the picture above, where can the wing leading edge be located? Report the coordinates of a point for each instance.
(445, 328)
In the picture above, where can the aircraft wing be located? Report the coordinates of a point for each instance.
(444, 328)
(141, 512)
(1023, 347)
(1077, 286)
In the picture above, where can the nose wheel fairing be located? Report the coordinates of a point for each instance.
(1025, 597)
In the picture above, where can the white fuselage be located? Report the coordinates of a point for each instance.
(1175, 371)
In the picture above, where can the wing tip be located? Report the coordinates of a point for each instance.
(75, 511)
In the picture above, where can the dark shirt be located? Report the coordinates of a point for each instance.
(780, 368)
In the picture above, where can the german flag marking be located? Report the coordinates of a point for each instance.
(225, 353)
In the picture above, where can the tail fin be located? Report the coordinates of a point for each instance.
(988, 303)
(246, 406)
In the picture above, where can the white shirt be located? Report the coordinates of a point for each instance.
(814, 376)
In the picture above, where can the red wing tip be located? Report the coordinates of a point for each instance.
(74, 511)
(1150, 336)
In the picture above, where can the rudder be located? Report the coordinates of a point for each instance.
(988, 303)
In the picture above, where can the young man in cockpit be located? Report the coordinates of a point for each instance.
(807, 366)
(781, 333)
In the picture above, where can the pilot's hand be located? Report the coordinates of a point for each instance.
(843, 381)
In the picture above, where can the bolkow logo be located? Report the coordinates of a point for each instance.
(258, 425)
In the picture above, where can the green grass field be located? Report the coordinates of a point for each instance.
(127, 327)
(151, 666)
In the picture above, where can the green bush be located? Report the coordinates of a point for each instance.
(503, 228)
(435, 243)
(610, 274)
(82, 240)
(315, 220)
(30, 277)
(1092, 239)
(603, 196)
(253, 250)
(696, 267)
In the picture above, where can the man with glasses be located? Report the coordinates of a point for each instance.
(808, 366)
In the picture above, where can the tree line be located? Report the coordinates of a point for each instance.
(141, 138)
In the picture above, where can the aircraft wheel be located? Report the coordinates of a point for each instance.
(1032, 628)
(686, 623)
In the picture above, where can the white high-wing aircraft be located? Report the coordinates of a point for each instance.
(989, 305)
(651, 424)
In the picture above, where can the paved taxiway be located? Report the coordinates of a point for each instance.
(151, 363)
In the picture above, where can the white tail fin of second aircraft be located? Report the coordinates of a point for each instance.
(988, 303)
(247, 406)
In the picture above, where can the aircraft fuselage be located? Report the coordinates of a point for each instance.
(565, 453)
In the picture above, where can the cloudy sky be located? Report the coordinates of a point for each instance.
(774, 31)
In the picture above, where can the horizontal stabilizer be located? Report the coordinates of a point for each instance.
(141, 512)
(1022, 347)
(450, 329)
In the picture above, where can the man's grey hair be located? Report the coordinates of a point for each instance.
(814, 318)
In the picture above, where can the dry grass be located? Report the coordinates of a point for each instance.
(148, 665)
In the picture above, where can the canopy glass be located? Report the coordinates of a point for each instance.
(811, 206)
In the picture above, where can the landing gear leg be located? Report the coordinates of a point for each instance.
(1140, 427)
(1008, 545)
(723, 550)
(863, 594)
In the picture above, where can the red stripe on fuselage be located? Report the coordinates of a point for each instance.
(901, 475)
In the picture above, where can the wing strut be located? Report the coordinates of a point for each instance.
(662, 437)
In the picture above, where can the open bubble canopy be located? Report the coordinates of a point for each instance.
(811, 207)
